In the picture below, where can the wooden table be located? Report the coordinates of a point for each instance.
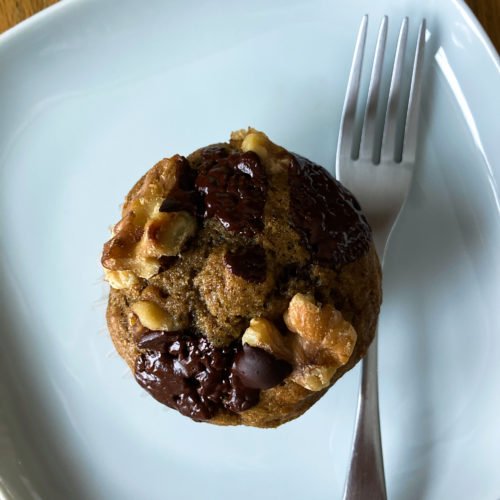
(14, 11)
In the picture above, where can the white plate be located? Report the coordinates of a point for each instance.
(94, 93)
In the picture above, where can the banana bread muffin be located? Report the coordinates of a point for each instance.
(244, 282)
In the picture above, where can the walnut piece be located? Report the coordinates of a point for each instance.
(144, 234)
(321, 326)
(262, 333)
(256, 142)
(153, 317)
(319, 341)
(121, 279)
(166, 233)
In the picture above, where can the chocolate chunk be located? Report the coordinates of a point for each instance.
(191, 405)
(326, 215)
(212, 154)
(189, 374)
(248, 263)
(156, 340)
(258, 369)
(229, 187)
(241, 398)
(234, 189)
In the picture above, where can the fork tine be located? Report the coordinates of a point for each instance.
(410, 141)
(366, 149)
(390, 128)
(349, 111)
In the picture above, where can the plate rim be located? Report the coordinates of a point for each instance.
(47, 15)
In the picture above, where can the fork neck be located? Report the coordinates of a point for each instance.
(381, 234)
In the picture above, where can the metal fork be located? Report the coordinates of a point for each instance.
(381, 186)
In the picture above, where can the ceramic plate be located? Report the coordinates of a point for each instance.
(93, 93)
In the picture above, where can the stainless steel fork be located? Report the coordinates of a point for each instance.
(380, 179)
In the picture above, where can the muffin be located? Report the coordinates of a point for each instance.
(244, 282)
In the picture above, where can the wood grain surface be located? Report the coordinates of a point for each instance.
(14, 11)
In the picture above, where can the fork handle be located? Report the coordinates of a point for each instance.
(366, 478)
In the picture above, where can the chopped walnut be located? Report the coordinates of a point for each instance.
(273, 156)
(323, 326)
(262, 333)
(256, 142)
(166, 233)
(144, 234)
(153, 317)
(319, 342)
(121, 279)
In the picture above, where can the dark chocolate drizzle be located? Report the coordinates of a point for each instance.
(189, 374)
(231, 187)
(326, 215)
(248, 263)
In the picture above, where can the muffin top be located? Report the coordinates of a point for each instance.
(244, 282)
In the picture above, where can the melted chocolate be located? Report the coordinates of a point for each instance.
(240, 397)
(155, 340)
(258, 369)
(235, 189)
(230, 187)
(326, 215)
(212, 154)
(192, 376)
(247, 263)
